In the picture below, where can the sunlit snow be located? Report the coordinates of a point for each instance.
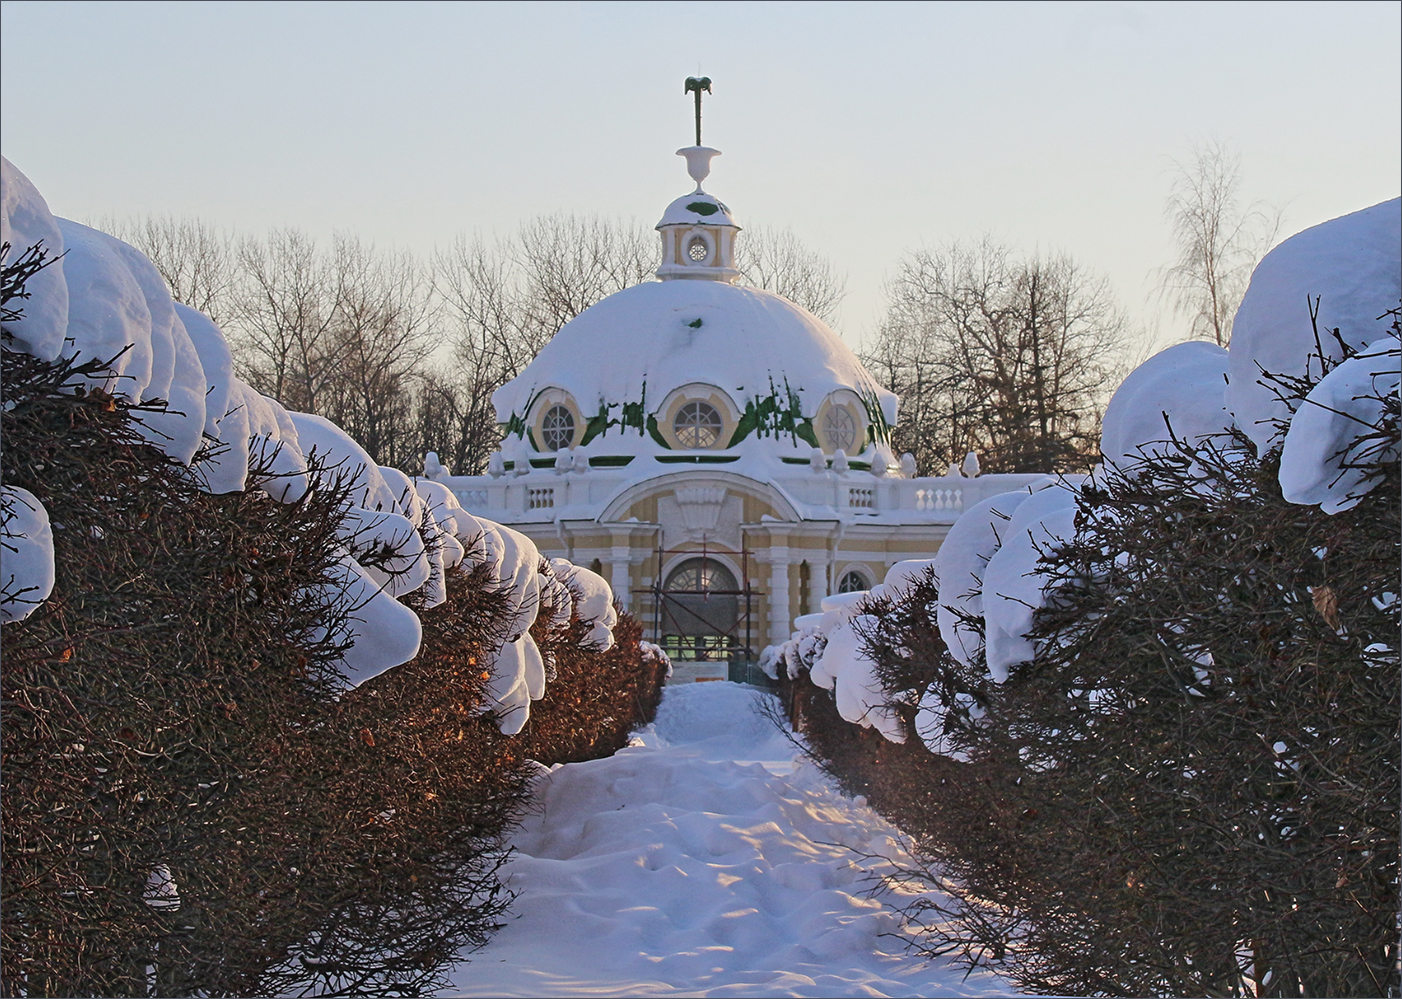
(704, 860)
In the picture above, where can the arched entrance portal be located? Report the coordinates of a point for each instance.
(703, 615)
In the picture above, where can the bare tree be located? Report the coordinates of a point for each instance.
(1219, 241)
(482, 289)
(495, 334)
(1013, 358)
(284, 310)
(380, 336)
(775, 260)
(566, 263)
(506, 299)
(909, 356)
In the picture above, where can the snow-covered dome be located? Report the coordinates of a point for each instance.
(698, 209)
(695, 365)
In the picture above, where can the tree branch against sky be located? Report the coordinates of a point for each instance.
(1218, 240)
(1011, 356)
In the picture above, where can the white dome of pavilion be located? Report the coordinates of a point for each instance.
(623, 368)
(692, 439)
(694, 363)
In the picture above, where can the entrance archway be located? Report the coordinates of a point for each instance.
(703, 612)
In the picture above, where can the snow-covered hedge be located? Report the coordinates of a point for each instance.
(100, 299)
(265, 703)
(1160, 703)
(1312, 366)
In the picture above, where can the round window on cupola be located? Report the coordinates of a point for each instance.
(698, 247)
(557, 428)
(698, 425)
(555, 422)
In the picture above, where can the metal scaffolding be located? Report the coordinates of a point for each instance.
(698, 621)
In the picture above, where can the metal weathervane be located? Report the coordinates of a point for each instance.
(695, 85)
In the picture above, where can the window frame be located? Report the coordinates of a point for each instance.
(850, 573)
(546, 429)
(541, 406)
(715, 424)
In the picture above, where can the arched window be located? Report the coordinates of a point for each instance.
(701, 598)
(697, 425)
(852, 582)
(557, 429)
(697, 250)
(700, 575)
(840, 429)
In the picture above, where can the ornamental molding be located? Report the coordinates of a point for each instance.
(700, 508)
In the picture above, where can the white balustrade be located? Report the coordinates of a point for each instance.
(939, 499)
(471, 499)
(861, 497)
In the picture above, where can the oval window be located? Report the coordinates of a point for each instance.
(840, 429)
(697, 250)
(557, 429)
(697, 425)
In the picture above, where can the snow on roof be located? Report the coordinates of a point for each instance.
(698, 209)
(1353, 264)
(659, 336)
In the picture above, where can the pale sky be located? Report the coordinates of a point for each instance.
(870, 129)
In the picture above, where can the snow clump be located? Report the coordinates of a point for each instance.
(960, 563)
(1328, 452)
(26, 554)
(1180, 392)
(1014, 587)
(1353, 266)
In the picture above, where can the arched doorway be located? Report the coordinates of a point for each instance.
(702, 612)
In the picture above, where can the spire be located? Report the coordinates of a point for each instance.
(698, 231)
(696, 85)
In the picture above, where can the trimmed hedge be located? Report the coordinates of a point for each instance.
(172, 710)
(1193, 788)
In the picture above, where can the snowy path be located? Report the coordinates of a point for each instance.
(701, 861)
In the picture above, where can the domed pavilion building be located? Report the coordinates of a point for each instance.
(713, 450)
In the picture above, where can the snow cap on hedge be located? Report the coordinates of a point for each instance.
(1014, 586)
(960, 565)
(26, 555)
(1182, 388)
(25, 220)
(1353, 265)
(1328, 451)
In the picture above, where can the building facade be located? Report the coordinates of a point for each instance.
(716, 452)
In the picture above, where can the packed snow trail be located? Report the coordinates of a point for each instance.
(702, 860)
